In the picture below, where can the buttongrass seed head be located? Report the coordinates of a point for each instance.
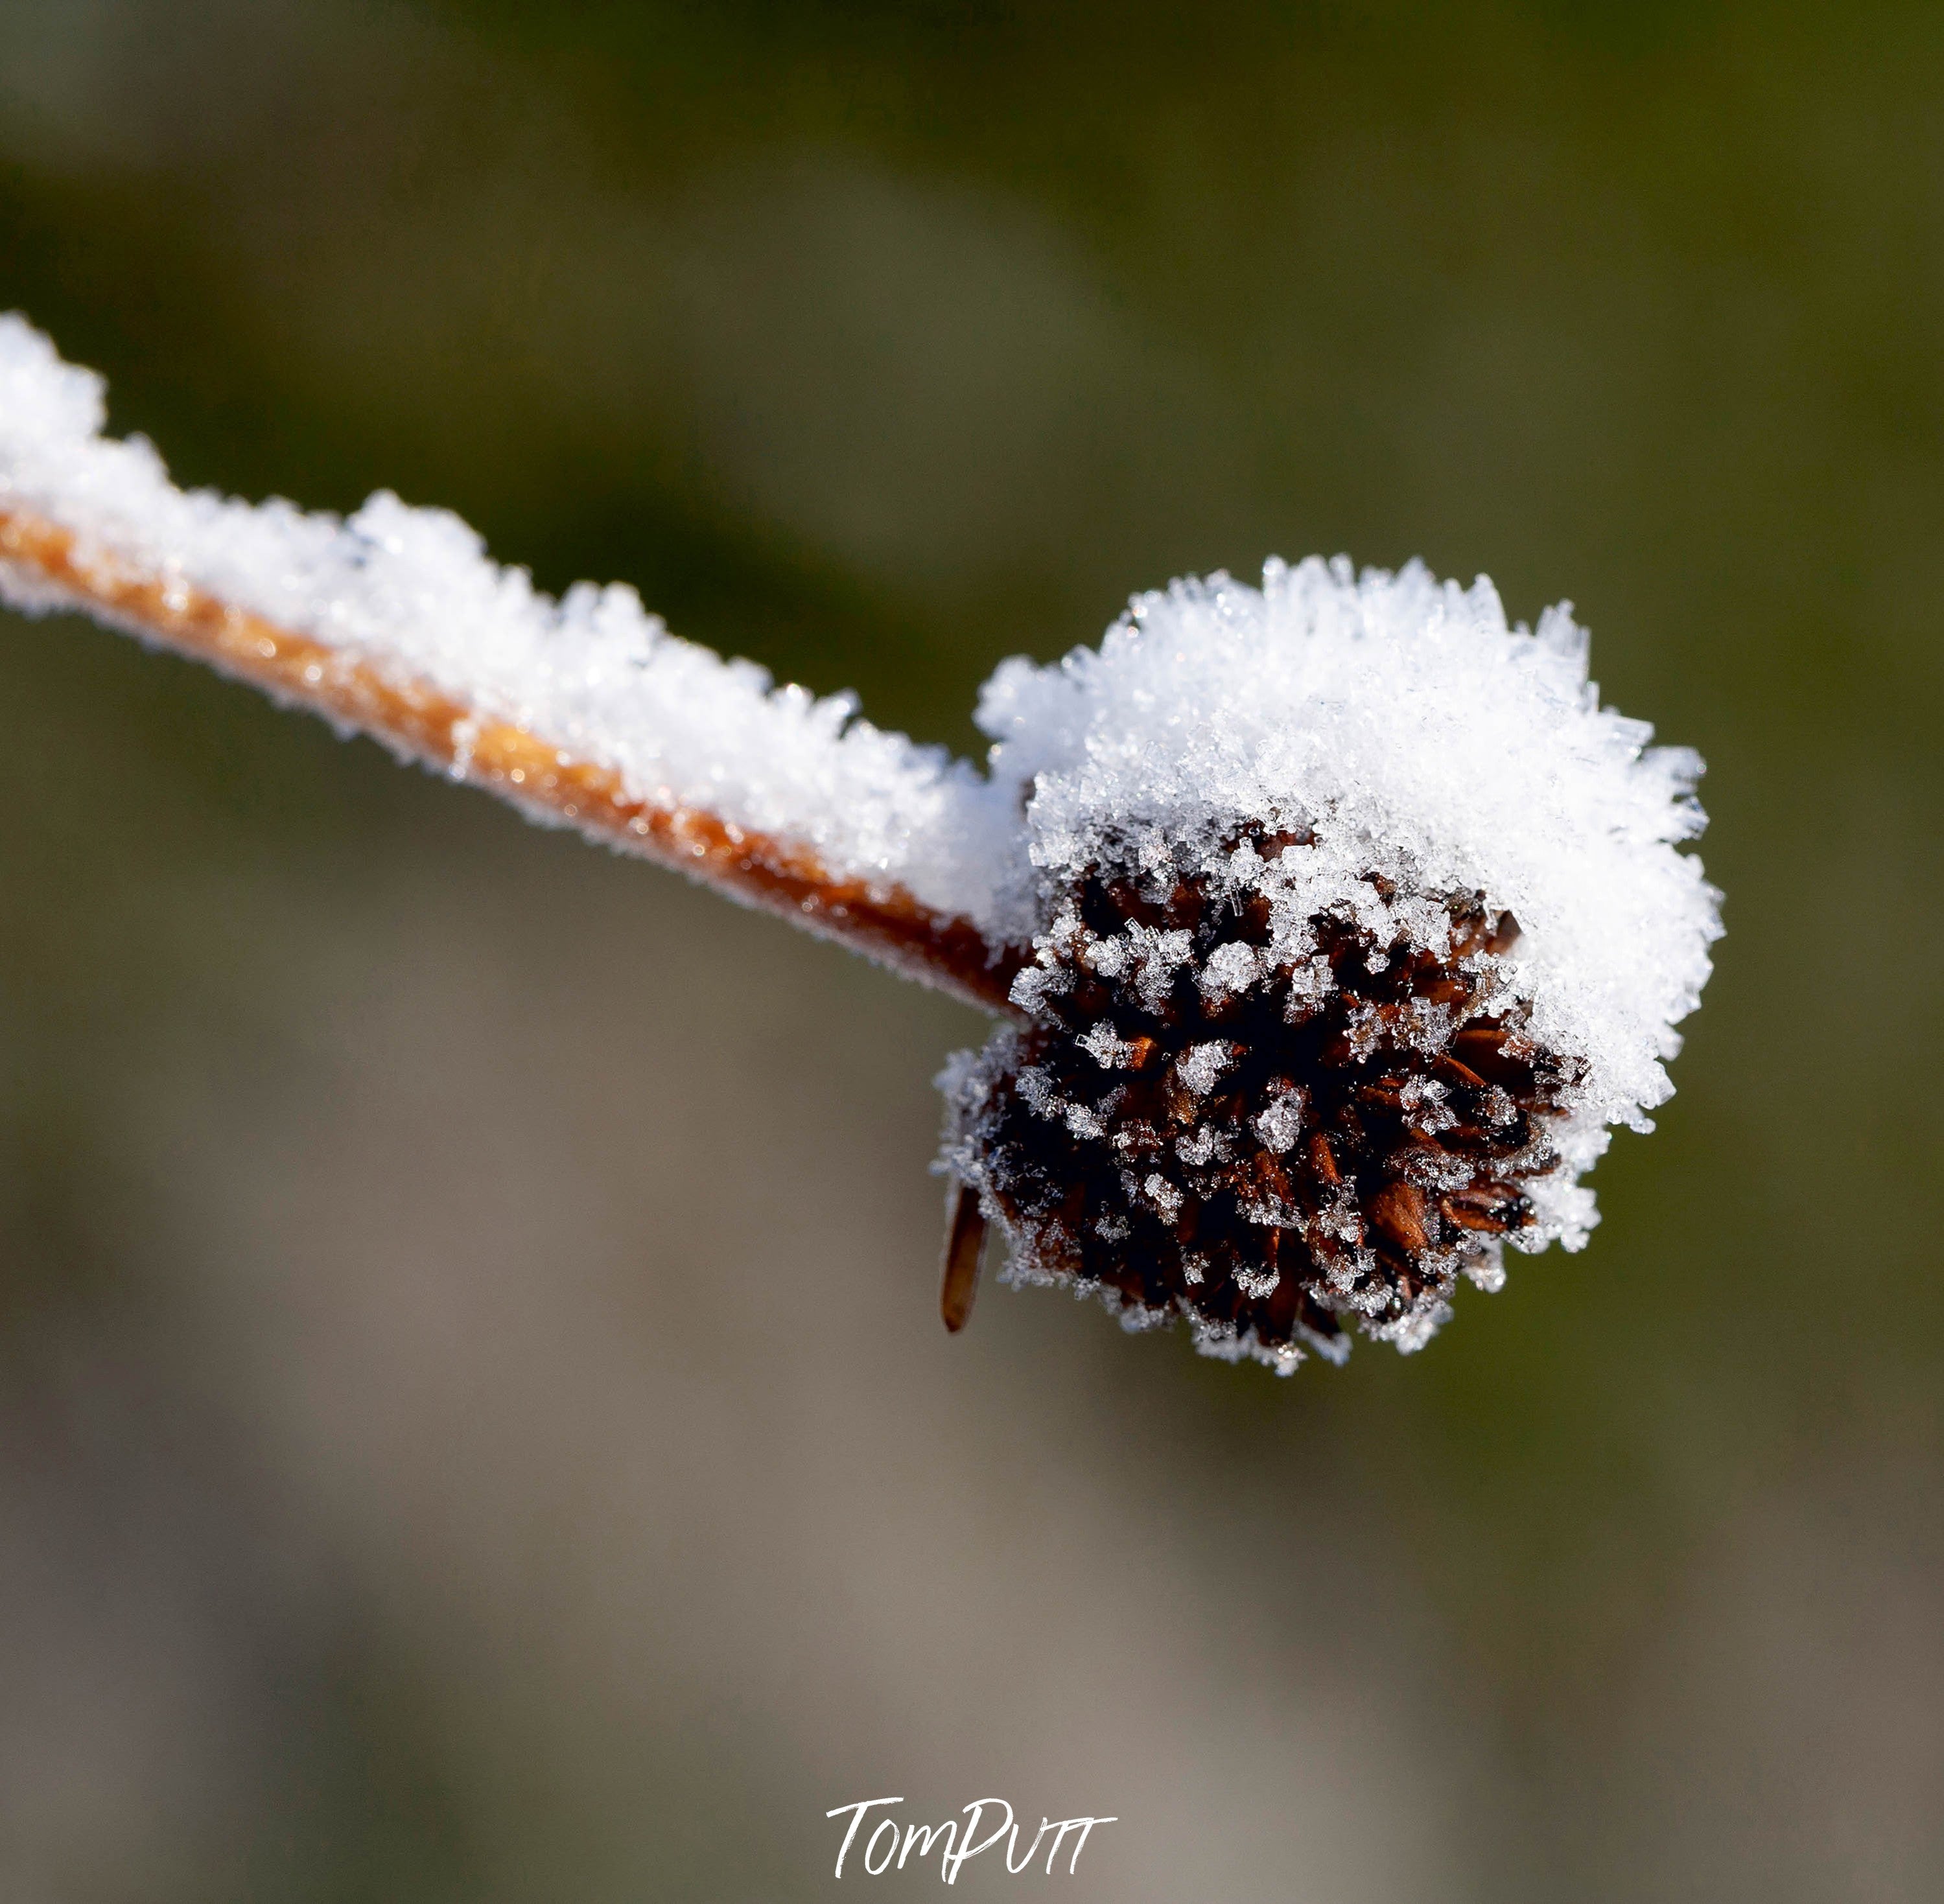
(1357, 922)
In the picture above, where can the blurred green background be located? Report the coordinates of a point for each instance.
(473, 1422)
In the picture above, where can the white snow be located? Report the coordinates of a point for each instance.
(593, 674)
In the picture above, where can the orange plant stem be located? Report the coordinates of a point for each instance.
(423, 723)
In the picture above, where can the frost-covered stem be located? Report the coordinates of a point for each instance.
(1344, 920)
(421, 722)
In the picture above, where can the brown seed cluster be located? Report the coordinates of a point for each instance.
(1267, 1148)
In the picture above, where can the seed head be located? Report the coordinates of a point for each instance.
(1315, 1018)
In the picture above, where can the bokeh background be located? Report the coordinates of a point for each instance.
(473, 1421)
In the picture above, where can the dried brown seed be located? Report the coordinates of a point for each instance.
(964, 1246)
(1398, 1210)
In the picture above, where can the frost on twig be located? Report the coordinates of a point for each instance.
(1333, 922)
(585, 712)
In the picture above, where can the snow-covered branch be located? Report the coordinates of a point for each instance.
(585, 712)
(1335, 921)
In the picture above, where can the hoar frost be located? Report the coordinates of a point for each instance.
(412, 591)
(1342, 922)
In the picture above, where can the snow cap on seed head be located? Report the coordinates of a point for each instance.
(1419, 737)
